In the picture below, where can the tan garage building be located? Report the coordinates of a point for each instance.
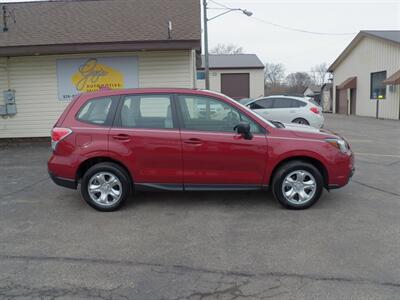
(236, 75)
(57, 49)
(366, 76)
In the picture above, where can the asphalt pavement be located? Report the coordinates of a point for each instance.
(205, 245)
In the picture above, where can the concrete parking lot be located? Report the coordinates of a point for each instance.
(219, 245)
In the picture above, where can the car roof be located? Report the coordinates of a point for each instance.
(303, 99)
(288, 97)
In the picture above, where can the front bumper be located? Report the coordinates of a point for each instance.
(336, 186)
(65, 182)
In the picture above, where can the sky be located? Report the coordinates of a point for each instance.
(298, 51)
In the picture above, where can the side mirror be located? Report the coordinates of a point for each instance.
(243, 128)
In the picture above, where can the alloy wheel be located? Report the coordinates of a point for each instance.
(299, 187)
(105, 189)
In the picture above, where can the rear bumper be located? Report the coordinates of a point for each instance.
(65, 182)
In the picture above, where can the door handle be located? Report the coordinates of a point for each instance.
(122, 137)
(193, 141)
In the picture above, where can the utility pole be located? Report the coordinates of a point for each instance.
(206, 58)
(205, 26)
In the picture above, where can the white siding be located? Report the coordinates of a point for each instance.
(35, 82)
(371, 55)
(256, 80)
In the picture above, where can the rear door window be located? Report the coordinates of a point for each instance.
(262, 104)
(282, 103)
(146, 111)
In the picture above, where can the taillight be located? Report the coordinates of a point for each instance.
(315, 110)
(57, 135)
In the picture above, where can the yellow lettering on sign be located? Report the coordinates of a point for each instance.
(92, 76)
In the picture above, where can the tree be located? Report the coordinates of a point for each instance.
(298, 81)
(273, 74)
(318, 73)
(226, 49)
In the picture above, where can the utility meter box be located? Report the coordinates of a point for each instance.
(9, 97)
(11, 109)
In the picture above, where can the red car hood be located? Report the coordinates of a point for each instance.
(306, 131)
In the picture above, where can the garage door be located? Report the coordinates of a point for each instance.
(236, 85)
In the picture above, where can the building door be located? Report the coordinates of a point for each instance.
(236, 85)
(341, 101)
(353, 93)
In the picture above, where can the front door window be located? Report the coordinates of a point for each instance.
(206, 114)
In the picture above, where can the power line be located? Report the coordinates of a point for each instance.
(303, 30)
(289, 27)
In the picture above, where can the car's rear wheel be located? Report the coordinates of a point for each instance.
(105, 186)
(301, 121)
(297, 185)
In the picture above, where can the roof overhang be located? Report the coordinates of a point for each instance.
(352, 45)
(100, 47)
(393, 79)
(232, 68)
(349, 83)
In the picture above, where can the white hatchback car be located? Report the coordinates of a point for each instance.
(288, 109)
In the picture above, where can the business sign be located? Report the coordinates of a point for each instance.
(91, 74)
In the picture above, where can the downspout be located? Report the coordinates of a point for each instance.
(6, 68)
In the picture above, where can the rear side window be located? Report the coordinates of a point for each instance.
(297, 103)
(96, 111)
(146, 111)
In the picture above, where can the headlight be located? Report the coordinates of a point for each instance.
(340, 144)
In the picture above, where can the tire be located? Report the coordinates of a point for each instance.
(110, 184)
(294, 193)
(301, 121)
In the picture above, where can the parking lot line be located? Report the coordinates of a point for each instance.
(360, 141)
(377, 154)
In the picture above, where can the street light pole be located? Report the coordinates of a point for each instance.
(206, 58)
(205, 26)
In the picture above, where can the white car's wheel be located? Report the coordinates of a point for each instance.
(301, 121)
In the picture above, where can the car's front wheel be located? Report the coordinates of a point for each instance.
(105, 186)
(297, 185)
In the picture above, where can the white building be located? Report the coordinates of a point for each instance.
(236, 75)
(60, 48)
(366, 76)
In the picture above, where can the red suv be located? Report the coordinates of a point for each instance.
(114, 142)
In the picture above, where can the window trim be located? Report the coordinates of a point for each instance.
(111, 114)
(117, 123)
(262, 130)
(370, 85)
